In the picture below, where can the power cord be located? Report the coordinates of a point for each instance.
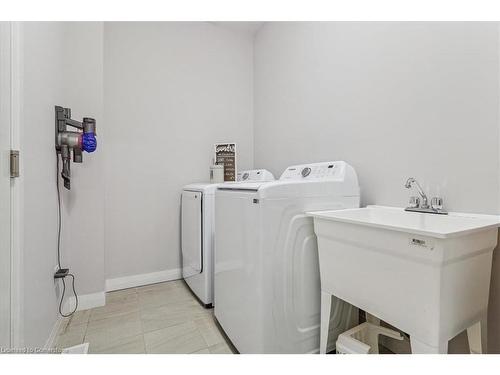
(62, 273)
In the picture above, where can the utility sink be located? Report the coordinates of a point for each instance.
(397, 219)
(425, 274)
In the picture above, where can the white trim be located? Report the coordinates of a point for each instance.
(142, 279)
(52, 340)
(85, 302)
(5, 189)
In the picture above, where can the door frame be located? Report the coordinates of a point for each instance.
(5, 198)
(11, 59)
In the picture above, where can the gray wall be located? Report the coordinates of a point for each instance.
(56, 73)
(394, 100)
(43, 44)
(84, 204)
(171, 90)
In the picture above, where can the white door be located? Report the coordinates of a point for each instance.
(191, 227)
(5, 90)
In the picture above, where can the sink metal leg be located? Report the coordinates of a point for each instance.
(326, 307)
(419, 347)
(477, 335)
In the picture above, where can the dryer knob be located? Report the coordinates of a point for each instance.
(245, 176)
(306, 172)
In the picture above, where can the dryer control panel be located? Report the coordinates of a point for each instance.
(313, 171)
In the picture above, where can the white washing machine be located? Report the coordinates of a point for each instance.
(197, 227)
(267, 284)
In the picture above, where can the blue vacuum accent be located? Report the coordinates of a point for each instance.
(89, 142)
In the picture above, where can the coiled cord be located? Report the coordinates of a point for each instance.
(59, 222)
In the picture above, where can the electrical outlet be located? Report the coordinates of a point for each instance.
(56, 268)
(61, 273)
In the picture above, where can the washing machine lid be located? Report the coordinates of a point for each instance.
(243, 186)
(204, 187)
(245, 177)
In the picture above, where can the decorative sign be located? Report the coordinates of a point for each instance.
(225, 154)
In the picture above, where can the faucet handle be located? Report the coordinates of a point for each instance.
(437, 203)
(414, 202)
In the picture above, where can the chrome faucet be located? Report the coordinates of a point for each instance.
(409, 183)
(415, 205)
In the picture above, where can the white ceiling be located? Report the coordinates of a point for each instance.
(244, 27)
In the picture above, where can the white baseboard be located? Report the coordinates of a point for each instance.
(85, 301)
(142, 279)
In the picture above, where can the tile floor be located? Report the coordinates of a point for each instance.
(158, 318)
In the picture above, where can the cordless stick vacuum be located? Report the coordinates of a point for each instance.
(67, 142)
(76, 141)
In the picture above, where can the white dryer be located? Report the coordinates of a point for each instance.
(267, 284)
(197, 229)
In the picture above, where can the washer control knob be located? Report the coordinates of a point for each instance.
(306, 172)
(245, 176)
